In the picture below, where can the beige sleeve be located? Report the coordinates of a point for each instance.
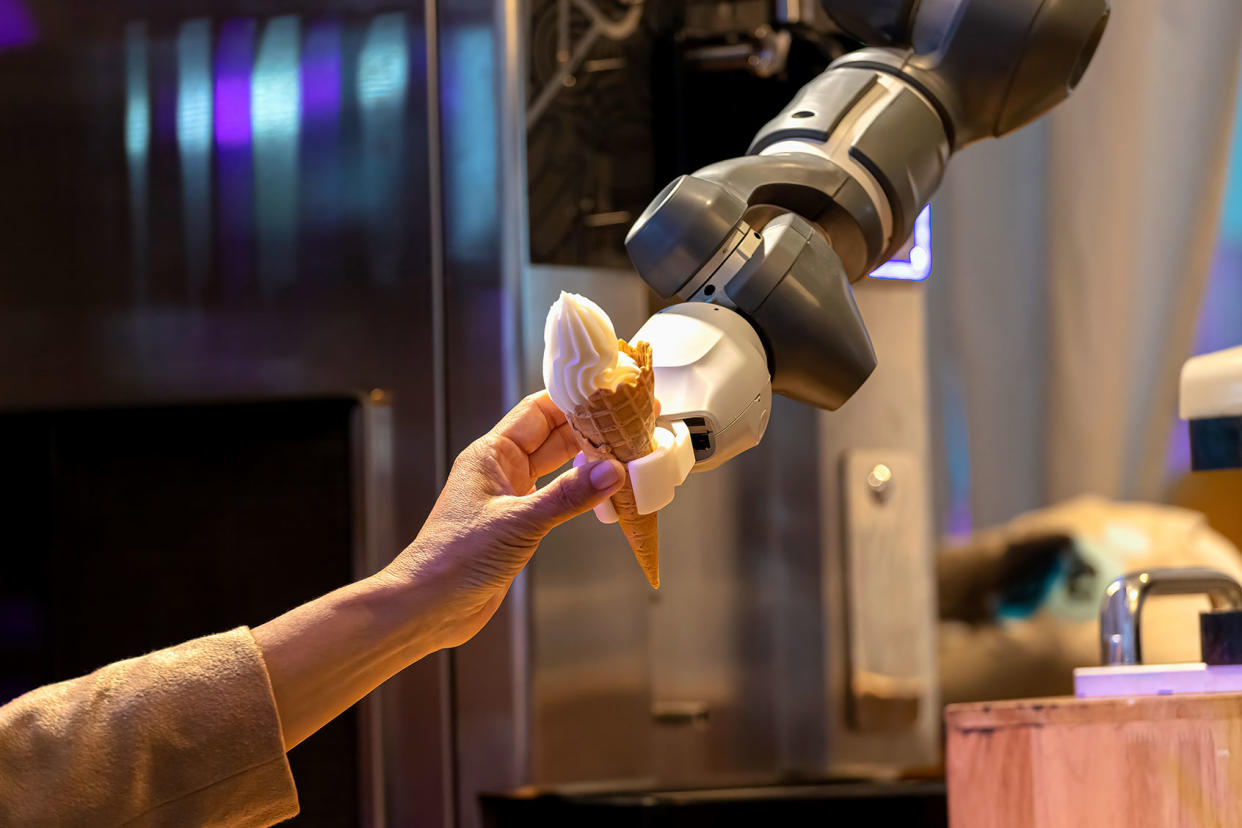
(184, 736)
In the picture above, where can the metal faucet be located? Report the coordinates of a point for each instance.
(1123, 604)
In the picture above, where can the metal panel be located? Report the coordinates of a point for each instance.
(738, 625)
(743, 656)
(750, 621)
(590, 665)
(374, 540)
(889, 415)
(884, 527)
(484, 229)
(737, 669)
(710, 633)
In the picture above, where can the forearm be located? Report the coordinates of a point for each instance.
(324, 656)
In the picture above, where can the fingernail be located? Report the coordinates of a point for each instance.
(605, 475)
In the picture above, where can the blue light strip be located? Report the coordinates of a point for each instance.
(1231, 212)
(918, 266)
(194, 138)
(471, 138)
(275, 114)
(137, 145)
(325, 182)
(384, 64)
(382, 81)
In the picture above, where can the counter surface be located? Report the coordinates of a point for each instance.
(1127, 761)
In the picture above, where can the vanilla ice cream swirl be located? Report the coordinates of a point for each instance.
(580, 353)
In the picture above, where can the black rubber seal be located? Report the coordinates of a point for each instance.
(789, 134)
(1220, 636)
(1216, 443)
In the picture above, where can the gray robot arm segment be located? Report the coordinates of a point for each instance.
(990, 66)
(833, 184)
(950, 73)
(696, 242)
(884, 135)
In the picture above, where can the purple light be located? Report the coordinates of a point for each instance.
(17, 27)
(321, 72)
(233, 65)
(918, 266)
(234, 61)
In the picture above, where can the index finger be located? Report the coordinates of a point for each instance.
(530, 422)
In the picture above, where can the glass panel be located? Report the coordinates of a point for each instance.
(212, 159)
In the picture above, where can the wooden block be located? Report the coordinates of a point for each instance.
(1139, 762)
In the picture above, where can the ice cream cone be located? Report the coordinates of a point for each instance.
(621, 423)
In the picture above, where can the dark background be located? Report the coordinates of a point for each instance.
(129, 530)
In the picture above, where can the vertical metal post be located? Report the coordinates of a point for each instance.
(481, 132)
(374, 540)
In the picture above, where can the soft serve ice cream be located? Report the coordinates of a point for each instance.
(580, 352)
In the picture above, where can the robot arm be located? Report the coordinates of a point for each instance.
(762, 249)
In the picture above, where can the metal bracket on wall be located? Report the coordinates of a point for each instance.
(885, 543)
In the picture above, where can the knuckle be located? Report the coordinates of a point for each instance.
(466, 456)
(512, 523)
(473, 455)
(487, 445)
(567, 496)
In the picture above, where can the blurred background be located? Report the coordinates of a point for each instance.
(1090, 255)
(269, 264)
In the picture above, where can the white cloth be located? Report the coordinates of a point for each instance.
(1071, 262)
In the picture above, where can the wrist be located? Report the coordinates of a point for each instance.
(406, 610)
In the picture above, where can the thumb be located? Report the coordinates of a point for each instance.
(574, 492)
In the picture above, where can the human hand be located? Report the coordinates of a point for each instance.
(489, 518)
(323, 656)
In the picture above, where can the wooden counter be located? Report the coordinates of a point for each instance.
(1142, 762)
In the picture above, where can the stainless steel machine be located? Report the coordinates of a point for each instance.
(793, 636)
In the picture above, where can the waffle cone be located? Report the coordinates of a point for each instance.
(621, 424)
